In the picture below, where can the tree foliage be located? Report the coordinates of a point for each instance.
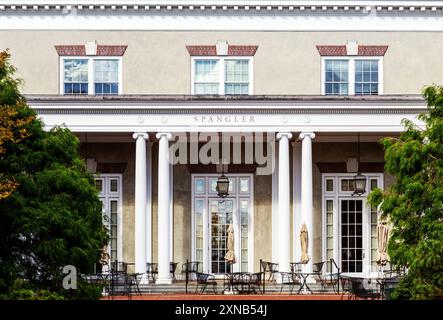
(414, 203)
(53, 217)
(12, 126)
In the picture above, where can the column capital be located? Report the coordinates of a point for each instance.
(303, 135)
(284, 134)
(143, 135)
(167, 135)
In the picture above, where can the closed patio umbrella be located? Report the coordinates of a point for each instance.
(382, 233)
(104, 259)
(304, 244)
(230, 254)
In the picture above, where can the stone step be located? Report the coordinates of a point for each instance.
(181, 288)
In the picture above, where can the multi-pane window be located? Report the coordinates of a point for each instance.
(206, 80)
(221, 76)
(329, 231)
(109, 189)
(199, 210)
(75, 76)
(237, 77)
(106, 76)
(366, 77)
(244, 223)
(351, 235)
(90, 76)
(349, 76)
(336, 77)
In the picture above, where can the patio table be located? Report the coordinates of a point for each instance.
(304, 276)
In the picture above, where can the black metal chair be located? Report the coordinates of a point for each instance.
(296, 266)
(151, 270)
(255, 280)
(270, 267)
(190, 268)
(119, 280)
(346, 286)
(134, 281)
(330, 276)
(289, 279)
(173, 268)
(361, 289)
(204, 280)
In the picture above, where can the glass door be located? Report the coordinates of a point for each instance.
(352, 245)
(221, 216)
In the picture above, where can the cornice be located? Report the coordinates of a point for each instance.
(207, 6)
(188, 111)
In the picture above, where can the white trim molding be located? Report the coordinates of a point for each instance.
(229, 114)
(356, 15)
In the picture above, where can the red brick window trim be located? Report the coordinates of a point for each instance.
(363, 50)
(79, 50)
(211, 50)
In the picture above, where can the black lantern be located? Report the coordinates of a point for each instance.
(222, 186)
(359, 179)
(359, 184)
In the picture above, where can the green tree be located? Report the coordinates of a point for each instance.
(414, 203)
(12, 126)
(53, 217)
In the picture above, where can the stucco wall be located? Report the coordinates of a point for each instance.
(285, 63)
(262, 219)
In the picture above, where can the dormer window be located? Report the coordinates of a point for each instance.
(222, 69)
(358, 74)
(90, 69)
(222, 76)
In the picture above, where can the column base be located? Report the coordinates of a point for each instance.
(163, 281)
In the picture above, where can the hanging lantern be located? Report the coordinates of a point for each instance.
(359, 184)
(359, 179)
(222, 186)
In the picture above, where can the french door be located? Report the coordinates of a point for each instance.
(221, 216)
(350, 224)
(110, 193)
(211, 217)
(351, 234)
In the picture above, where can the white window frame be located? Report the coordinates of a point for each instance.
(91, 86)
(222, 65)
(338, 195)
(351, 72)
(207, 195)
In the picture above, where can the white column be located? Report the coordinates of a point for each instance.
(164, 275)
(307, 215)
(296, 199)
(140, 201)
(149, 203)
(284, 218)
(275, 207)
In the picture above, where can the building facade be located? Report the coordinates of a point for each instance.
(288, 99)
